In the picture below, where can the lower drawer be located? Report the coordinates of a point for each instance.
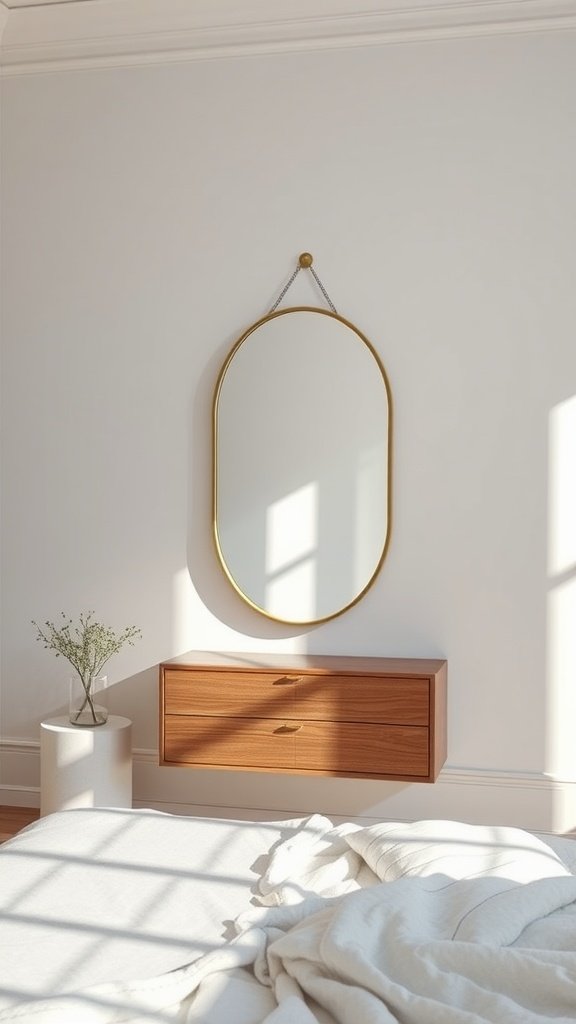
(363, 749)
(240, 742)
(330, 747)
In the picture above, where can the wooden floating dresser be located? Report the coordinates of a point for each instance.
(376, 718)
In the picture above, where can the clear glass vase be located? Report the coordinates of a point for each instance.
(85, 707)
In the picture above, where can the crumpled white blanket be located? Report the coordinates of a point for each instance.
(316, 860)
(328, 860)
(416, 950)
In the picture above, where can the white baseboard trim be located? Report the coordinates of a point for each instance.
(531, 800)
(19, 746)
(19, 796)
(127, 33)
(527, 800)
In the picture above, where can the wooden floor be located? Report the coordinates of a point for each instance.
(12, 819)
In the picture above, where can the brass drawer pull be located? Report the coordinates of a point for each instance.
(287, 681)
(288, 728)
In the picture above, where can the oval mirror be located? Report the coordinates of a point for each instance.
(302, 435)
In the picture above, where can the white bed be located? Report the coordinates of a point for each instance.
(97, 905)
(88, 892)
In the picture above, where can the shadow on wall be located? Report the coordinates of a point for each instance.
(136, 697)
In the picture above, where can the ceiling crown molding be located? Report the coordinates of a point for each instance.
(76, 34)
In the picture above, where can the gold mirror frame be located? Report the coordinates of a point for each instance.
(216, 408)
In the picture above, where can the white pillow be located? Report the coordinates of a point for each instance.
(398, 849)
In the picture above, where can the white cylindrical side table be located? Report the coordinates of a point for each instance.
(85, 766)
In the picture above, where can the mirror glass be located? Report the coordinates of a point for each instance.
(302, 433)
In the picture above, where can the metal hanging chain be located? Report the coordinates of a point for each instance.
(304, 263)
(285, 289)
(322, 289)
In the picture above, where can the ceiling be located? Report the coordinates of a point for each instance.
(12, 4)
(125, 33)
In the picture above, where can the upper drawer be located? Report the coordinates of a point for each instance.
(385, 699)
(344, 698)
(240, 694)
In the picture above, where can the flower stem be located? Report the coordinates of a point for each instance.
(87, 700)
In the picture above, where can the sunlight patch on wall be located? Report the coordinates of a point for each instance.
(561, 611)
(183, 602)
(561, 676)
(291, 528)
(291, 544)
(562, 488)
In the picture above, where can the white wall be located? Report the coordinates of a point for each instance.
(149, 215)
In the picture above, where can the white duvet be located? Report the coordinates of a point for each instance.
(492, 942)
